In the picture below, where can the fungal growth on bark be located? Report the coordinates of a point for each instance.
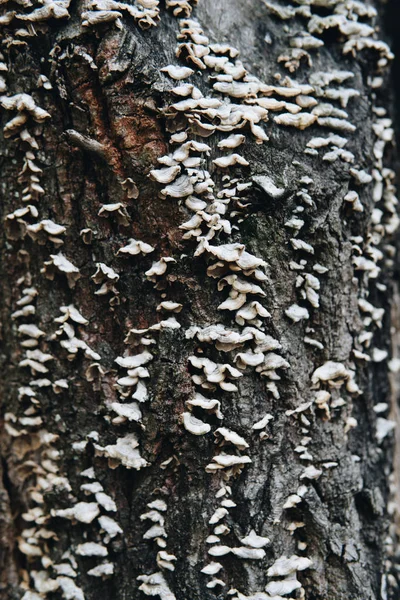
(199, 317)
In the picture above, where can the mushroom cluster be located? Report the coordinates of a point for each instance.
(25, 128)
(38, 455)
(251, 546)
(307, 283)
(84, 512)
(233, 266)
(66, 333)
(59, 263)
(144, 12)
(369, 253)
(348, 18)
(165, 561)
(106, 277)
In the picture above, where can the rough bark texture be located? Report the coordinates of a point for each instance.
(110, 118)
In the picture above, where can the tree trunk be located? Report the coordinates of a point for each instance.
(199, 355)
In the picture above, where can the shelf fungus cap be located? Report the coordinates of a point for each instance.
(91, 549)
(383, 428)
(212, 568)
(155, 585)
(240, 285)
(231, 437)
(102, 570)
(61, 263)
(154, 532)
(230, 460)
(262, 423)
(224, 252)
(292, 501)
(168, 305)
(229, 161)
(180, 188)
(30, 330)
(165, 175)
(135, 247)
(330, 371)
(268, 185)
(110, 526)
(130, 411)
(103, 272)
(158, 505)
(219, 550)
(244, 359)
(301, 120)
(282, 588)
(159, 267)
(361, 176)
(131, 362)
(232, 141)
(251, 311)
(120, 212)
(249, 262)
(233, 303)
(48, 226)
(208, 404)
(130, 187)
(70, 312)
(255, 541)
(176, 72)
(123, 452)
(217, 516)
(285, 566)
(194, 425)
(296, 313)
(311, 473)
(248, 553)
(165, 560)
(84, 512)
(273, 361)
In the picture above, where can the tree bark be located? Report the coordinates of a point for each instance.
(199, 301)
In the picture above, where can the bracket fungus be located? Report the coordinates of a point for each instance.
(60, 263)
(124, 452)
(135, 247)
(194, 425)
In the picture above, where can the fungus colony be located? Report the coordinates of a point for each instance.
(208, 172)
